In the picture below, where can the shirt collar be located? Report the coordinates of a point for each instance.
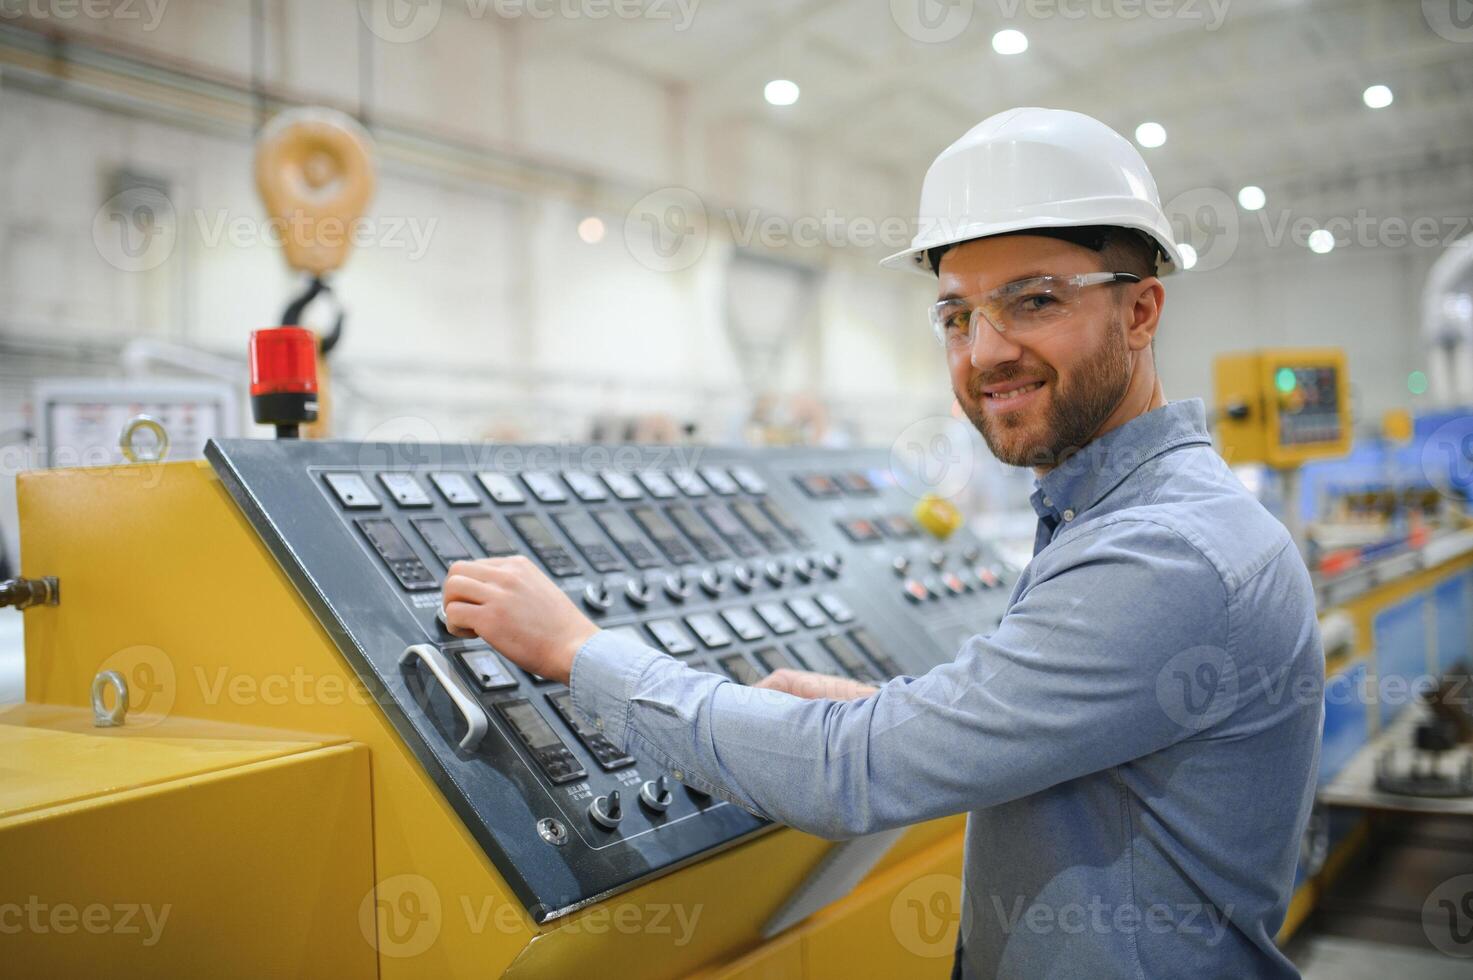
(1089, 475)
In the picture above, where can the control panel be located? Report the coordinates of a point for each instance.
(1282, 407)
(734, 562)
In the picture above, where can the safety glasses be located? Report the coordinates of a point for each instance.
(1017, 307)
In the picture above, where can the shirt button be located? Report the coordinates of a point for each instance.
(678, 775)
(598, 723)
(1068, 515)
(1047, 502)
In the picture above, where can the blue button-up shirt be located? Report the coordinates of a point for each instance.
(1135, 743)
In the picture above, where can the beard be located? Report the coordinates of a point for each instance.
(1074, 413)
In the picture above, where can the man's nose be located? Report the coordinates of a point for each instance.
(991, 347)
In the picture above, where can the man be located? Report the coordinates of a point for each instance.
(1136, 742)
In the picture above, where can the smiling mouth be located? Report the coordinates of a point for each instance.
(1005, 396)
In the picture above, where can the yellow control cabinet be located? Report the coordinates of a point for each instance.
(1282, 407)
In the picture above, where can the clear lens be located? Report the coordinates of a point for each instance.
(1017, 307)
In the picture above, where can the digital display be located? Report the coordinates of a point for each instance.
(529, 526)
(765, 530)
(529, 725)
(580, 528)
(563, 702)
(442, 540)
(489, 535)
(622, 530)
(692, 525)
(789, 527)
(387, 540)
(663, 534)
(731, 529)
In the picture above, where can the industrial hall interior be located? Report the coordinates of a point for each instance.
(736, 489)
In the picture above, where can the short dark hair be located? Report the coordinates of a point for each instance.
(1121, 249)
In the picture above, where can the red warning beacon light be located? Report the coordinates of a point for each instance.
(284, 378)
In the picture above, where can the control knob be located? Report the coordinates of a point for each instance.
(713, 583)
(638, 592)
(901, 564)
(938, 558)
(833, 563)
(677, 586)
(596, 596)
(656, 794)
(606, 811)
(776, 571)
(744, 577)
(805, 567)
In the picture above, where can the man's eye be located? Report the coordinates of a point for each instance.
(957, 321)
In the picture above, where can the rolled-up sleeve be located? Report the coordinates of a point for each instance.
(1070, 683)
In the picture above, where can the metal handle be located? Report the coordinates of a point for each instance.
(471, 711)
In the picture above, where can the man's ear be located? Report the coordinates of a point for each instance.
(1144, 314)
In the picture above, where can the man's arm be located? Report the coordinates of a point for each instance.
(1076, 679)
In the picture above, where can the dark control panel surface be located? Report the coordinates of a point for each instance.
(735, 562)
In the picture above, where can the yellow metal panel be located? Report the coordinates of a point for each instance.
(1248, 380)
(164, 580)
(256, 868)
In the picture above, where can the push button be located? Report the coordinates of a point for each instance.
(455, 488)
(405, 489)
(739, 669)
(351, 490)
(776, 618)
(501, 488)
(621, 485)
(709, 629)
(718, 480)
(545, 487)
(585, 485)
(916, 591)
(837, 608)
(807, 612)
(671, 638)
(954, 583)
(744, 623)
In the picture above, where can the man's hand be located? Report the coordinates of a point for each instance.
(512, 605)
(807, 684)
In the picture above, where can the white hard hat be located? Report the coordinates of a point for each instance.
(1036, 168)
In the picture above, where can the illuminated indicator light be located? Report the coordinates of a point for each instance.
(1417, 383)
(1284, 380)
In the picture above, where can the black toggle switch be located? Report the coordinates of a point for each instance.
(606, 811)
(656, 794)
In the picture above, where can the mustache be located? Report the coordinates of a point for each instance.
(1006, 373)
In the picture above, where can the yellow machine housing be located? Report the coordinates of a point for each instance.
(1283, 406)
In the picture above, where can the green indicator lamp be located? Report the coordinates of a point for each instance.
(1284, 380)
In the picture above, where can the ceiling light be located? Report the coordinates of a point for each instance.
(591, 230)
(1252, 198)
(1149, 134)
(780, 91)
(1010, 42)
(1377, 96)
(1321, 241)
(1188, 255)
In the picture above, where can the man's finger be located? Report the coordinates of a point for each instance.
(458, 616)
(463, 588)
